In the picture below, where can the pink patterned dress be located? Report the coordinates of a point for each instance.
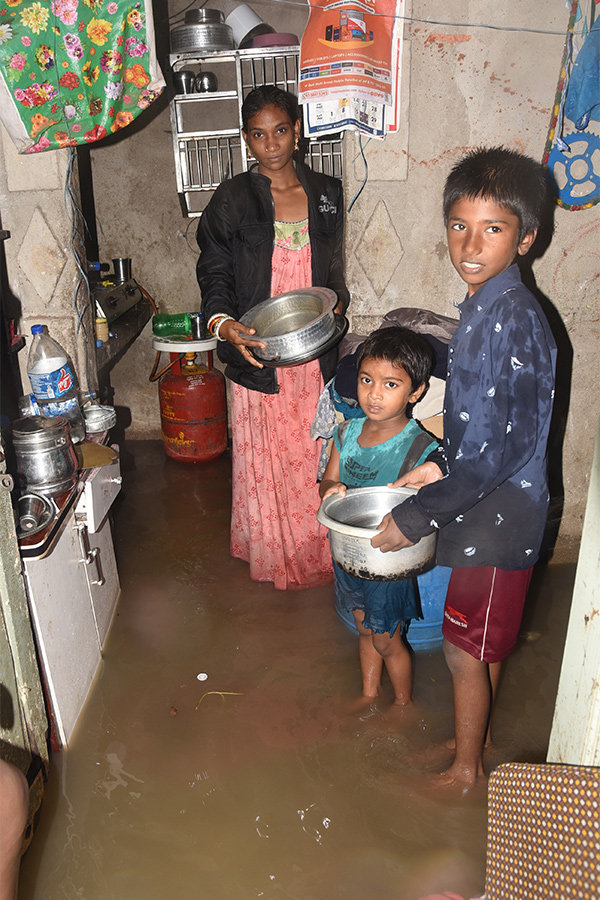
(275, 495)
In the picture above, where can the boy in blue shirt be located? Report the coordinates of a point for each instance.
(394, 366)
(491, 505)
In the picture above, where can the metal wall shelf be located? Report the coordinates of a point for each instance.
(207, 141)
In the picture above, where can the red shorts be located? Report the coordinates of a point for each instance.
(483, 611)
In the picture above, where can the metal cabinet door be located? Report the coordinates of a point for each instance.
(98, 559)
(65, 626)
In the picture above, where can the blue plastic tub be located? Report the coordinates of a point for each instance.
(426, 633)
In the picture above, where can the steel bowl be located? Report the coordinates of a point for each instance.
(34, 513)
(352, 521)
(99, 418)
(293, 325)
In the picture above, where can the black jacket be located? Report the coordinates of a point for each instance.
(236, 235)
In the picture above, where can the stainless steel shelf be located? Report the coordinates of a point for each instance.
(204, 157)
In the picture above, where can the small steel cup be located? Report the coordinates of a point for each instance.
(206, 82)
(184, 81)
(122, 266)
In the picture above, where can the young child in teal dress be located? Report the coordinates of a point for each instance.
(394, 367)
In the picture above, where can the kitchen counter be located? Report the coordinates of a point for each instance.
(73, 588)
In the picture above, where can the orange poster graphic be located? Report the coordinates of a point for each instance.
(347, 51)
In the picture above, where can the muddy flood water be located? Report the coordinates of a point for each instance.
(256, 782)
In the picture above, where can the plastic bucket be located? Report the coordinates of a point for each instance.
(423, 634)
(426, 633)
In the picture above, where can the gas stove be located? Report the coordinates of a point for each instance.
(115, 297)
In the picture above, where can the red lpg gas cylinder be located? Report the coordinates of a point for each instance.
(193, 412)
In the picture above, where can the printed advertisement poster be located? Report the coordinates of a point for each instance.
(331, 116)
(347, 51)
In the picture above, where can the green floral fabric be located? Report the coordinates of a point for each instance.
(76, 70)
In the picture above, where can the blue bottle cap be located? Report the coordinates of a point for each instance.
(37, 329)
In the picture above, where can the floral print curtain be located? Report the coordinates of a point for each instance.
(74, 71)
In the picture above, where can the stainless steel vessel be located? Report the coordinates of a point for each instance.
(46, 459)
(294, 326)
(203, 29)
(99, 418)
(34, 513)
(352, 522)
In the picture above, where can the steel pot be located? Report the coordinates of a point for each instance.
(203, 29)
(46, 459)
(352, 522)
(294, 326)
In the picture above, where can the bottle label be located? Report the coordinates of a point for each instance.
(52, 385)
(68, 408)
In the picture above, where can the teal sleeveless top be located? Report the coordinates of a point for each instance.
(366, 466)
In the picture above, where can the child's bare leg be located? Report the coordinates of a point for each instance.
(398, 664)
(371, 662)
(472, 703)
(494, 670)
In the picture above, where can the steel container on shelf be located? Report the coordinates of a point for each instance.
(203, 29)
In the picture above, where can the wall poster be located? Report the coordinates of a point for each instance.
(350, 63)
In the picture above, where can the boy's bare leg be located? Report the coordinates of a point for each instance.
(495, 670)
(371, 662)
(494, 673)
(398, 664)
(472, 704)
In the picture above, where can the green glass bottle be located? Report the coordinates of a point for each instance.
(164, 325)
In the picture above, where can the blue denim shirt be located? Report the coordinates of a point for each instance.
(491, 506)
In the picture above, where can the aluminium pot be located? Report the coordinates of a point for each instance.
(352, 521)
(46, 459)
(294, 326)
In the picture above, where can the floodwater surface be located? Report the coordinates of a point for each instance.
(216, 758)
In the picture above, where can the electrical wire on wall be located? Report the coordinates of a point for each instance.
(366, 165)
(439, 22)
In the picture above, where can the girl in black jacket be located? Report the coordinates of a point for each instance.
(276, 228)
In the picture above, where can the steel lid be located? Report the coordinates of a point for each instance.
(195, 16)
(39, 427)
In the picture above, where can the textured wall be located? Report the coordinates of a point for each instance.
(41, 269)
(464, 85)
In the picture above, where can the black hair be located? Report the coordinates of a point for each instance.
(401, 347)
(504, 176)
(269, 95)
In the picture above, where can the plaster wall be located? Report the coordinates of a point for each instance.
(464, 85)
(41, 267)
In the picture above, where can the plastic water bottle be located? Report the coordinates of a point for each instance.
(53, 381)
